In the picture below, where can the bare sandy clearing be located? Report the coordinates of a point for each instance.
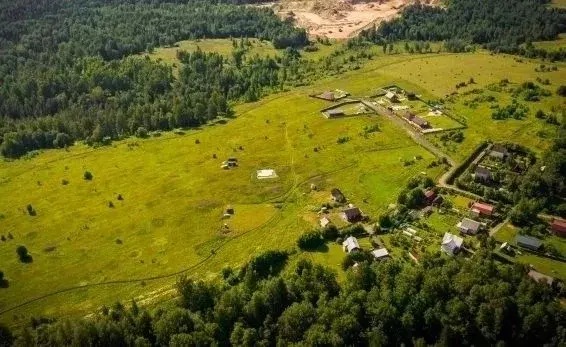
(339, 19)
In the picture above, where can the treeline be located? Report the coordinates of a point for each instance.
(63, 73)
(498, 25)
(441, 301)
(543, 187)
(104, 100)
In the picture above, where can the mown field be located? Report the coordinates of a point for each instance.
(174, 191)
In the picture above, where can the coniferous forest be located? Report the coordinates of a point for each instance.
(66, 74)
(442, 301)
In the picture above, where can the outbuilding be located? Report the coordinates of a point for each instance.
(380, 254)
(337, 195)
(351, 245)
(528, 242)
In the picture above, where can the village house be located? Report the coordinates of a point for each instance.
(528, 242)
(430, 195)
(327, 96)
(416, 120)
(391, 97)
(352, 214)
(480, 209)
(337, 195)
(468, 226)
(334, 113)
(482, 174)
(499, 152)
(558, 227)
(351, 244)
(451, 244)
(324, 222)
(380, 254)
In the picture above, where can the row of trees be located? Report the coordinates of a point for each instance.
(441, 301)
(499, 25)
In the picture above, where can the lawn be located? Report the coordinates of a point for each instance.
(558, 3)
(556, 44)
(174, 191)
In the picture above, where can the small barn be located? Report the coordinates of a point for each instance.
(479, 209)
(380, 254)
(451, 244)
(558, 227)
(352, 214)
(337, 195)
(468, 226)
(482, 173)
(528, 242)
(351, 245)
(499, 151)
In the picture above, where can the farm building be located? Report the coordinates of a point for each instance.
(499, 151)
(266, 173)
(333, 113)
(542, 278)
(528, 242)
(391, 97)
(430, 195)
(451, 244)
(479, 209)
(351, 244)
(380, 254)
(327, 96)
(324, 222)
(337, 195)
(468, 226)
(482, 173)
(352, 214)
(416, 120)
(558, 227)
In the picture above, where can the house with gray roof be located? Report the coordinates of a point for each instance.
(351, 244)
(451, 244)
(468, 226)
(528, 242)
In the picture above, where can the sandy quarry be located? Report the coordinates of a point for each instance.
(338, 19)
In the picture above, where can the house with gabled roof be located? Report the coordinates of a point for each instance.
(558, 227)
(479, 209)
(468, 226)
(337, 195)
(482, 173)
(451, 244)
(499, 151)
(351, 244)
(352, 214)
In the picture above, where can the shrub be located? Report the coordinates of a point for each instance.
(330, 232)
(310, 240)
(110, 204)
(88, 176)
(64, 182)
(561, 90)
(343, 139)
(1, 275)
(30, 210)
(120, 197)
(141, 132)
(23, 254)
(355, 257)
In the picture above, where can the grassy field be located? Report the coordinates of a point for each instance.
(174, 191)
(556, 44)
(436, 76)
(558, 3)
(547, 266)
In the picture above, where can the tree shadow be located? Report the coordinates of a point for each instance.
(320, 249)
(26, 259)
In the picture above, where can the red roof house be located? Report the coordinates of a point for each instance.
(479, 209)
(558, 226)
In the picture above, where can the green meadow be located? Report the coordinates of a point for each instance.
(87, 254)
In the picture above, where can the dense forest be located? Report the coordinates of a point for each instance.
(66, 74)
(499, 25)
(443, 301)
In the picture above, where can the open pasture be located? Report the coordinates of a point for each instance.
(436, 76)
(174, 194)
